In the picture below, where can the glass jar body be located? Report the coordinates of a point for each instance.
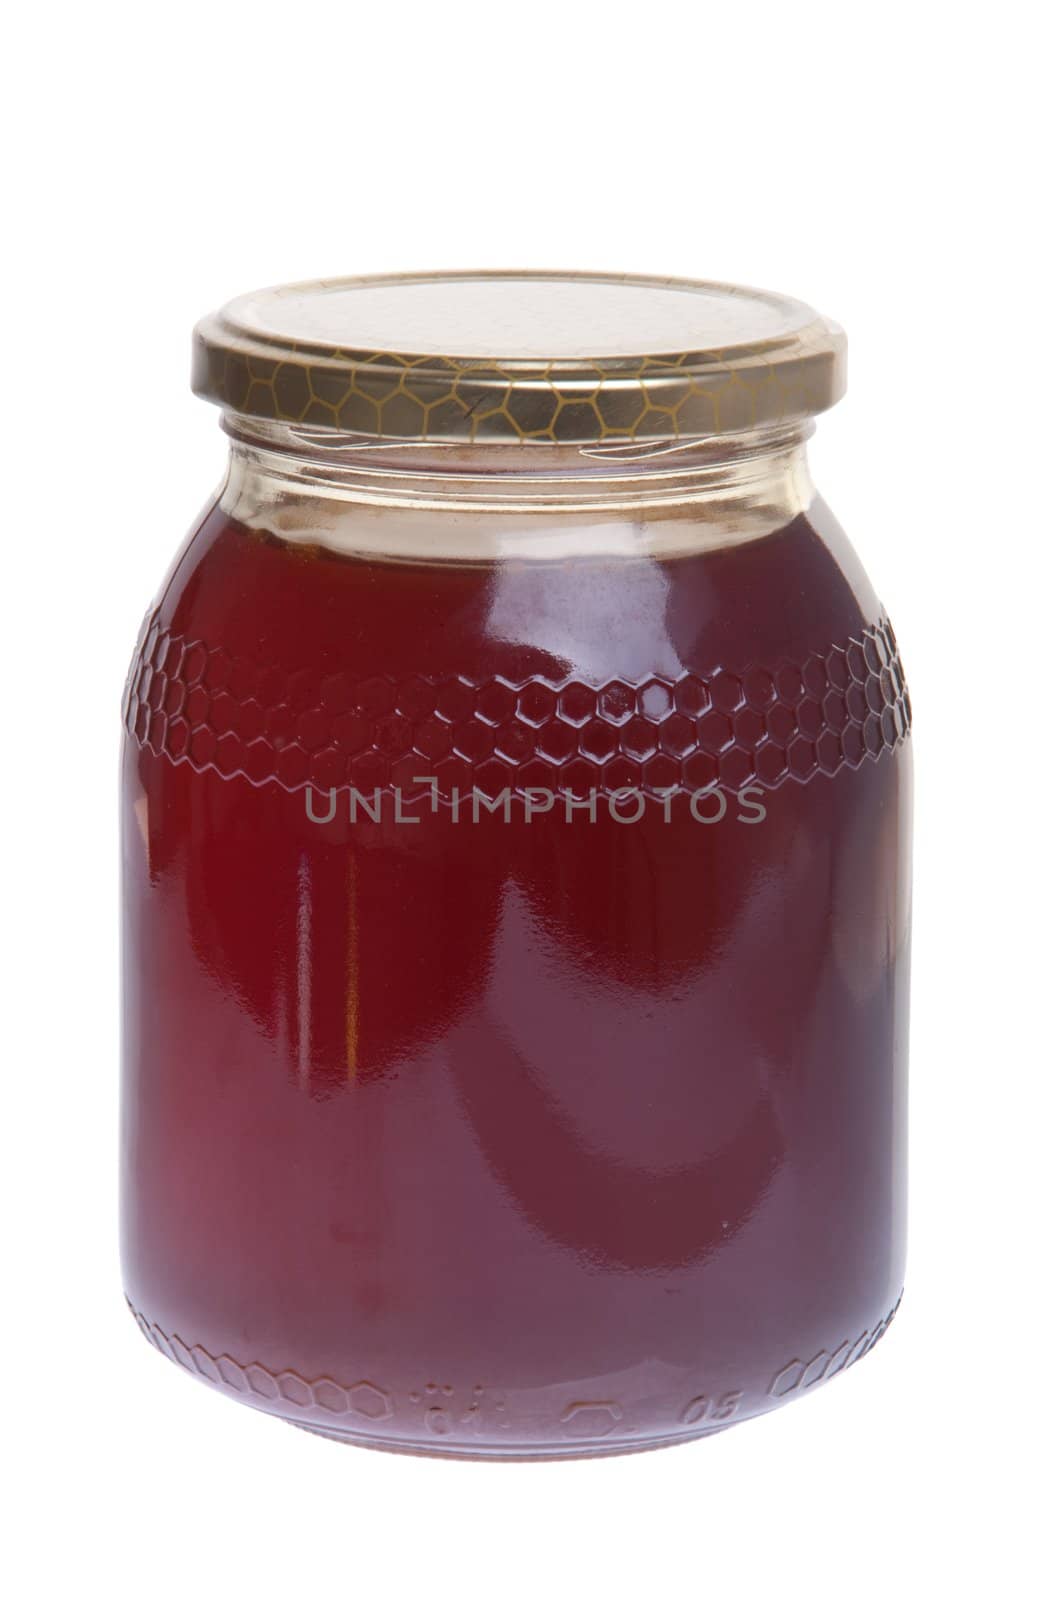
(516, 953)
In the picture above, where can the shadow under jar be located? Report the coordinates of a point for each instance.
(516, 838)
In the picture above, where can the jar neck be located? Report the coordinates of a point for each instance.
(318, 485)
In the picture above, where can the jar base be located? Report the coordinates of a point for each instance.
(583, 1451)
(277, 1394)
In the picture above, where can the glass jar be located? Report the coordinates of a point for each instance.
(516, 886)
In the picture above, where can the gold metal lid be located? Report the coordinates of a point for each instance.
(504, 357)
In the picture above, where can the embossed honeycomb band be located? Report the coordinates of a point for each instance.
(517, 1142)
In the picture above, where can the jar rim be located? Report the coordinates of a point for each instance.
(520, 357)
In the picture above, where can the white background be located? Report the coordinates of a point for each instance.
(894, 165)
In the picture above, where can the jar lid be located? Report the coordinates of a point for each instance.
(504, 357)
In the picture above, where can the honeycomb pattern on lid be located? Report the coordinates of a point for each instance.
(334, 355)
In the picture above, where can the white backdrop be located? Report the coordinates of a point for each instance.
(897, 168)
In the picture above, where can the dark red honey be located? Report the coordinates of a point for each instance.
(565, 1131)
